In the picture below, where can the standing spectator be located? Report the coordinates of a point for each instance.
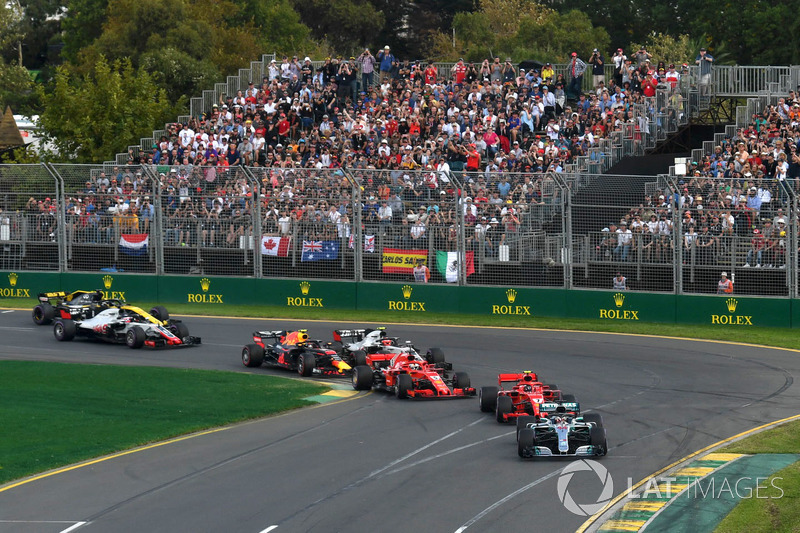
(460, 71)
(367, 61)
(598, 63)
(620, 282)
(387, 62)
(724, 285)
(704, 61)
(624, 242)
(756, 250)
(421, 272)
(575, 70)
(619, 61)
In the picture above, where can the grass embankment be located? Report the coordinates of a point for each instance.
(780, 337)
(57, 414)
(761, 515)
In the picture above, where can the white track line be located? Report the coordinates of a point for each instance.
(74, 527)
(270, 528)
(500, 502)
(11, 311)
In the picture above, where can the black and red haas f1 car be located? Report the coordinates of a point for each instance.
(293, 350)
(408, 375)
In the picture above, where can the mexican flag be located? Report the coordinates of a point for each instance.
(448, 264)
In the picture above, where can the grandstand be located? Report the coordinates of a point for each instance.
(363, 188)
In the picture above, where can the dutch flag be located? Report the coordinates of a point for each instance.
(133, 244)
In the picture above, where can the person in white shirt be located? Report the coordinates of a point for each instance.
(624, 242)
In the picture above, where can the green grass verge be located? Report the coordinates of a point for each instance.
(756, 515)
(57, 414)
(776, 515)
(780, 337)
(782, 439)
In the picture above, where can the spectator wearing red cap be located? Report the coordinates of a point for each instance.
(575, 70)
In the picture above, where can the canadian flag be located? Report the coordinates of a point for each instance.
(369, 242)
(278, 246)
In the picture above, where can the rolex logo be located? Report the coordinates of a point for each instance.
(511, 294)
(619, 299)
(205, 283)
(731, 303)
(407, 291)
(304, 287)
(12, 279)
(107, 281)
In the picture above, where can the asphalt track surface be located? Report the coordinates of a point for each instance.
(375, 463)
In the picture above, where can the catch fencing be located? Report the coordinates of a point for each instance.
(569, 230)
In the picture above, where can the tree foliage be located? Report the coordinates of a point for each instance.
(15, 81)
(92, 116)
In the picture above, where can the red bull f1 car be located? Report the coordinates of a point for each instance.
(563, 436)
(408, 375)
(523, 395)
(77, 305)
(129, 325)
(293, 350)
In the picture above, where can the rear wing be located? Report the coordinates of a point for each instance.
(270, 335)
(46, 296)
(514, 378)
(560, 407)
(347, 336)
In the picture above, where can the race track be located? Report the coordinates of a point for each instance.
(375, 463)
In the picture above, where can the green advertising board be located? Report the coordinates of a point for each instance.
(120, 286)
(207, 290)
(512, 301)
(726, 311)
(20, 284)
(408, 298)
(309, 294)
(621, 306)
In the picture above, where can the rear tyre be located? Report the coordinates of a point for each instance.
(568, 398)
(43, 314)
(403, 386)
(597, 418)
(526, 441)
(461, 380)
(362, 377)
(252, 355)
(504, 406)
(487, 397)
(306, 362)
(523, 421)
(597, 438)
(135, 337)
(64, 330)
(435, 356)
(552, 386)
(359, 358)
(160, 312)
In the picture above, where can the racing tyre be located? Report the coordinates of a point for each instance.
(597, 418)
(180, 330)
(336, 345)
(504, 406)
(522, 423)
(64, 330)
(362, 377)
(552, 386)
(461, 380)
(404, 385)
(597, 437)
(306, 363)
(160, 312)
(43, 314)
(252, 355)
(359, 358)
(568, 398)
(435, 356)
(135, 337)
(526, 442)
(487, 397)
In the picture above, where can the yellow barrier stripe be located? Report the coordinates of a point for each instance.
(623, 525)
(646, 505)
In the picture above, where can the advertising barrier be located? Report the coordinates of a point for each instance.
(724, 311)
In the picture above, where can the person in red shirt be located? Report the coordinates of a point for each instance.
(724, 285)
(473, 159)
(649, 85)
(391, 126)
(459, 71)
(672, 77)
(430, 74)
(283, 128)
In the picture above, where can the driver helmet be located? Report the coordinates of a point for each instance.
(528, 388)
(527, 377)
(414, 366)
(386, 342)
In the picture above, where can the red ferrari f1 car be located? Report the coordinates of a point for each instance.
(408, 375)
(525, 397)
(293, 350)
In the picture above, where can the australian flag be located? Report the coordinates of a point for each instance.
(318, 250)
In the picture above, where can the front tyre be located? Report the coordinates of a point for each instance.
(403, 386)
(597, 438)
(526, 443)
(504, 407)
(160, 312)
(523, 421)
(362, 377)
(359, 358)
(487, 397)
(461, 380)
(135, 337)
(306, 363)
